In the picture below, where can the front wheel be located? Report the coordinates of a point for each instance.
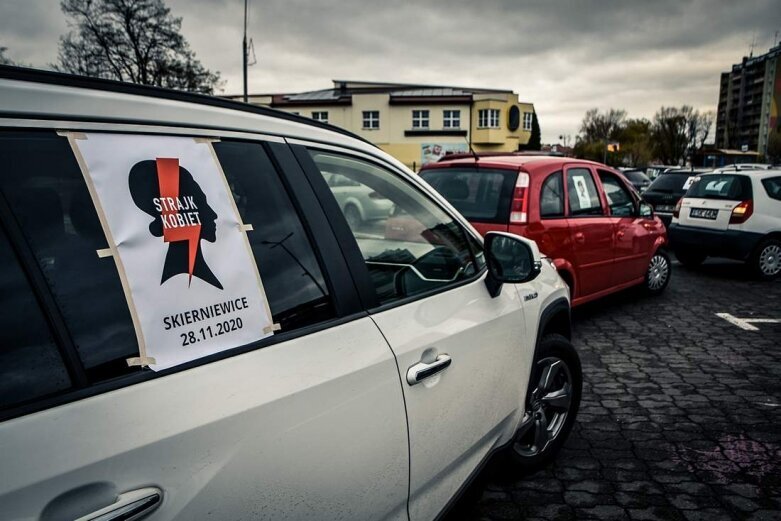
(766, 261)
(657, 276)
(552, 403)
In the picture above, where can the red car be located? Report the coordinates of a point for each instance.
(601, 236)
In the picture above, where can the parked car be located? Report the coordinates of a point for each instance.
(358, 203)
(739, 167)
(655, 171)
(585, 216)
(637, 178)
(667, 189)
(737, 216)
(189, 324)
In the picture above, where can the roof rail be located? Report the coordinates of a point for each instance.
(462, 155)
(11, 72)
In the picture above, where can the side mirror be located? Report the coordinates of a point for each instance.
(511, 259)
(645, 210)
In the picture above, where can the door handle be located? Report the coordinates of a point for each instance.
(128, 506)
(620, 234)
(420, 371)
(580, 238)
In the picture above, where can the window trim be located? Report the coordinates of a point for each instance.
(320, 115)
(765, 182)
(367, 117)
(489, 112)
(531, 121)
(334, 269)
(421, 116)
(348, 243)
(448, 120)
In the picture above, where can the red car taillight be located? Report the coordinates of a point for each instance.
(742, 212)
(677, 210)
(518, 210)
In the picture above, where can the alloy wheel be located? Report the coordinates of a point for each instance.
(770, 260)
(547, 408)
(658, 272)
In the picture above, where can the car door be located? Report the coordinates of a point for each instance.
(463, 357)
(634, 237)
(307, 423)
(591, 231)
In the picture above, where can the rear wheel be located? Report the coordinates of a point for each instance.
(658, 274)
(552, 403)
(690, 259)
(766, 261)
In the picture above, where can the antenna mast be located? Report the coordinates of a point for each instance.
(244, 51)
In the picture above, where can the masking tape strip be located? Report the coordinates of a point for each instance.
(272, 328)
(206, 139)
(141, 360)
(105, 252)
(246, 227)
(73, 135)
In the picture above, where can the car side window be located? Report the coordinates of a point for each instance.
(773, 187)
(292, 278)
(552, 196)
(618, 198)
(30, 364)
(583, 195)
(409, 244)
(44, 187)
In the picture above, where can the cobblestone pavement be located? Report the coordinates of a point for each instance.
(681, 410)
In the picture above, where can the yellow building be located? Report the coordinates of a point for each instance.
(416, 124)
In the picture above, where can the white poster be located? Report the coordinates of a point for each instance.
(582, 191)
(189, 275)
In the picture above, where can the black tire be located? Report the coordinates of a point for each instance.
(353, 216)
(766, 260)
(524, 454)
(690, 259)
(658, 273)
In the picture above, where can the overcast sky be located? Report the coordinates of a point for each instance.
(564, 56)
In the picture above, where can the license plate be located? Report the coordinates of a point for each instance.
(704, 213)
(664, 208)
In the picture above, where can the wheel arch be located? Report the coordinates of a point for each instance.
(555, 318)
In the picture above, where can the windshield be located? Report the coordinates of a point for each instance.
(721, 186)
(669, 183)
(636, 176)
(479, 194)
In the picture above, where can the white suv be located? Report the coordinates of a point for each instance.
(190, 328)
(733, 215)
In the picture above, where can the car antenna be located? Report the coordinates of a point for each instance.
(471, 150)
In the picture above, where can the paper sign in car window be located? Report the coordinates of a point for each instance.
(581, 189)
(689, 181)
(180, 247)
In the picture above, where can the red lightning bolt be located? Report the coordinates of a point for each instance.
(168, 180)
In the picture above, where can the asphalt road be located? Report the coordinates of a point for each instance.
(681, 410)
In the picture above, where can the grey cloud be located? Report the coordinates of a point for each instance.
(565, 56)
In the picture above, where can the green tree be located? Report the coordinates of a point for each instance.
(131, 40)
(636, 145)
(535, 141)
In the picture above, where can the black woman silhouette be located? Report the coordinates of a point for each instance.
(168, 192)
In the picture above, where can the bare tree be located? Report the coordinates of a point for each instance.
(5, 60)
(131, 40)
(699, 126)
(598, 126)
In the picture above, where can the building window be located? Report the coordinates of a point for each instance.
(527, 120)
(451, 119)
(419, 119)
(321, 116)
(488, 118)
(371, 119)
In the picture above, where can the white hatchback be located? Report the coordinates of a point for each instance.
(192, 328)
(731, 214)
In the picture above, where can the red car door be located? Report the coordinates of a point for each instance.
(634, 240)
(591, 231)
